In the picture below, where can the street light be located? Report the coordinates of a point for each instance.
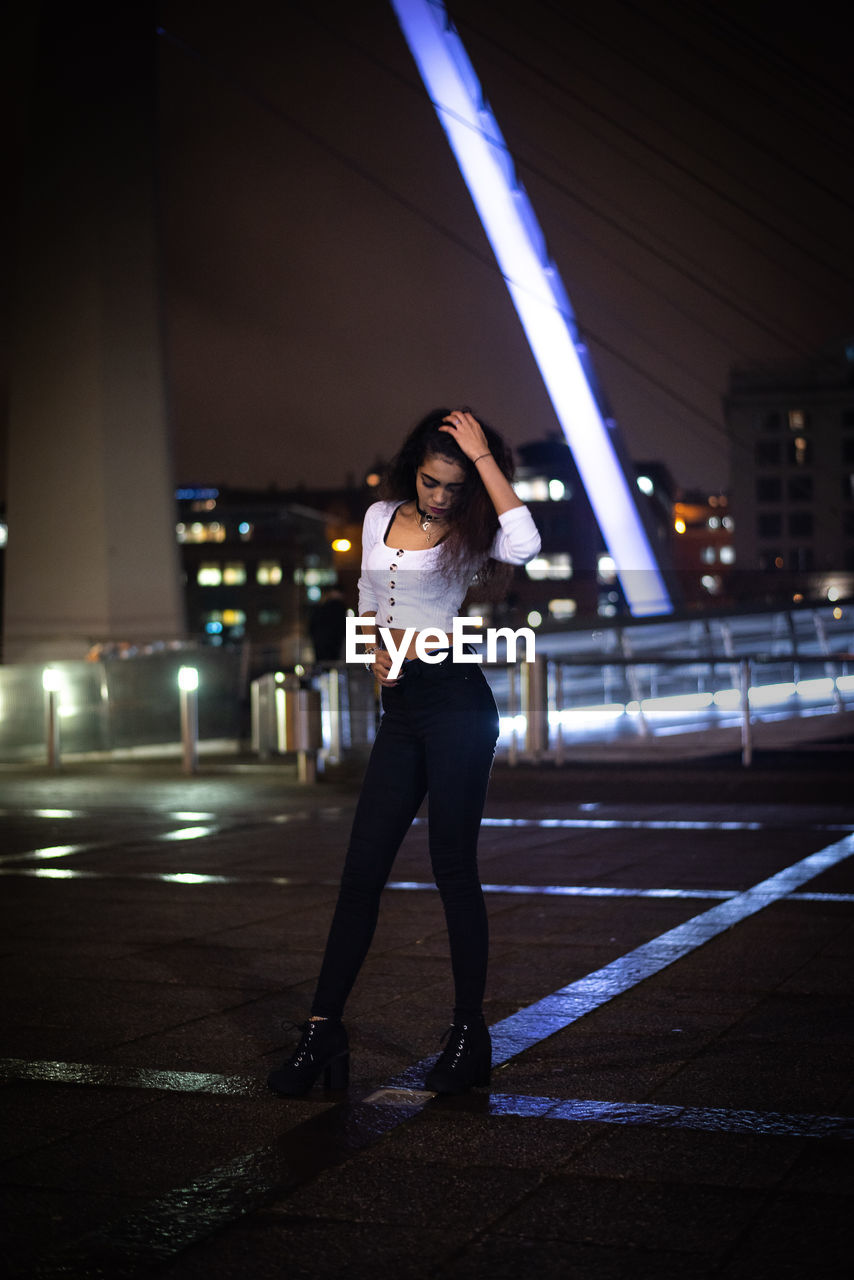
(188, 684)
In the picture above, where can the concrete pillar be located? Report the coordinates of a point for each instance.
(92, 554)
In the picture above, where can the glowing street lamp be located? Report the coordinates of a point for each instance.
(188, 686)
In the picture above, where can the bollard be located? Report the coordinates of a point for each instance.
(512, 711)
(50, 685)
(746, 726)
(188, 684)
(554, 681)
(534, 709)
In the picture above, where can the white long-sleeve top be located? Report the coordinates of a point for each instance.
(406, 589)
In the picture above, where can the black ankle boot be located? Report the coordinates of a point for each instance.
(324, 1050)
(466, 1059)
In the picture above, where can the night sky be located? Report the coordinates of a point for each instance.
(326, 277)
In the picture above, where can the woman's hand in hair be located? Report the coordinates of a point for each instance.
(470, 436)
(468, 433)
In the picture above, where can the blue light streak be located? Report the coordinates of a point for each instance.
(537, 292)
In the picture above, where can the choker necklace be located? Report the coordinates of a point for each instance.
(424, 518)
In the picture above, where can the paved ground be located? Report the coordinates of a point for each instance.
(670, 996)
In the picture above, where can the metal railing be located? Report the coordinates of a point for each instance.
(614, 683)
(545, 707)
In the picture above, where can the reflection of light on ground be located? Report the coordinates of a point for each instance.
(191, 877)
(187, 833)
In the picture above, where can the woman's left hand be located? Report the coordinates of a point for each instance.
(467, 432)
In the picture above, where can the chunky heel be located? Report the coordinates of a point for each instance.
(466, 1060)
(483, 1076)
(336, 1074)
(322, 1051)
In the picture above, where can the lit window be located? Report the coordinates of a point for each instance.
(341, 544)
(797, 420)
(645, 485)
(198, 532)
(727, 555)
(209, 575)
(606, 567)
(557, 490)
(234, 573)
(714, 522)
(799, 452)
(728, 523)
(233, 617)
(245, 530)
(707, 555)
(372, 479)
(269, 573)
(679, 525)
(564, 608)
(316, 577)
(558, 565)
(534, 618)
(711, 582)
(533, 490)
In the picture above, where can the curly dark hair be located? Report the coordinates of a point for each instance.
(473, 520)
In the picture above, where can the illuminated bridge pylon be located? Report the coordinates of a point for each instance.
(538, 294)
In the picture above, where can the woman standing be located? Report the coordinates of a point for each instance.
(451, 513)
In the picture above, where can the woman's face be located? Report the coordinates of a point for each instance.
(438, 483)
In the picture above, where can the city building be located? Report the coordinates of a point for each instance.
(791, 429)
(255, 563)
(702, 546)
(574, 575)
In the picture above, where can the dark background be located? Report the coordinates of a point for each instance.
(326, 280)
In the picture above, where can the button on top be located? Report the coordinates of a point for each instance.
(391, 601)
(400, 553)
(392, 567)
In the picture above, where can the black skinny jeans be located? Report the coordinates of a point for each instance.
(436, 738)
